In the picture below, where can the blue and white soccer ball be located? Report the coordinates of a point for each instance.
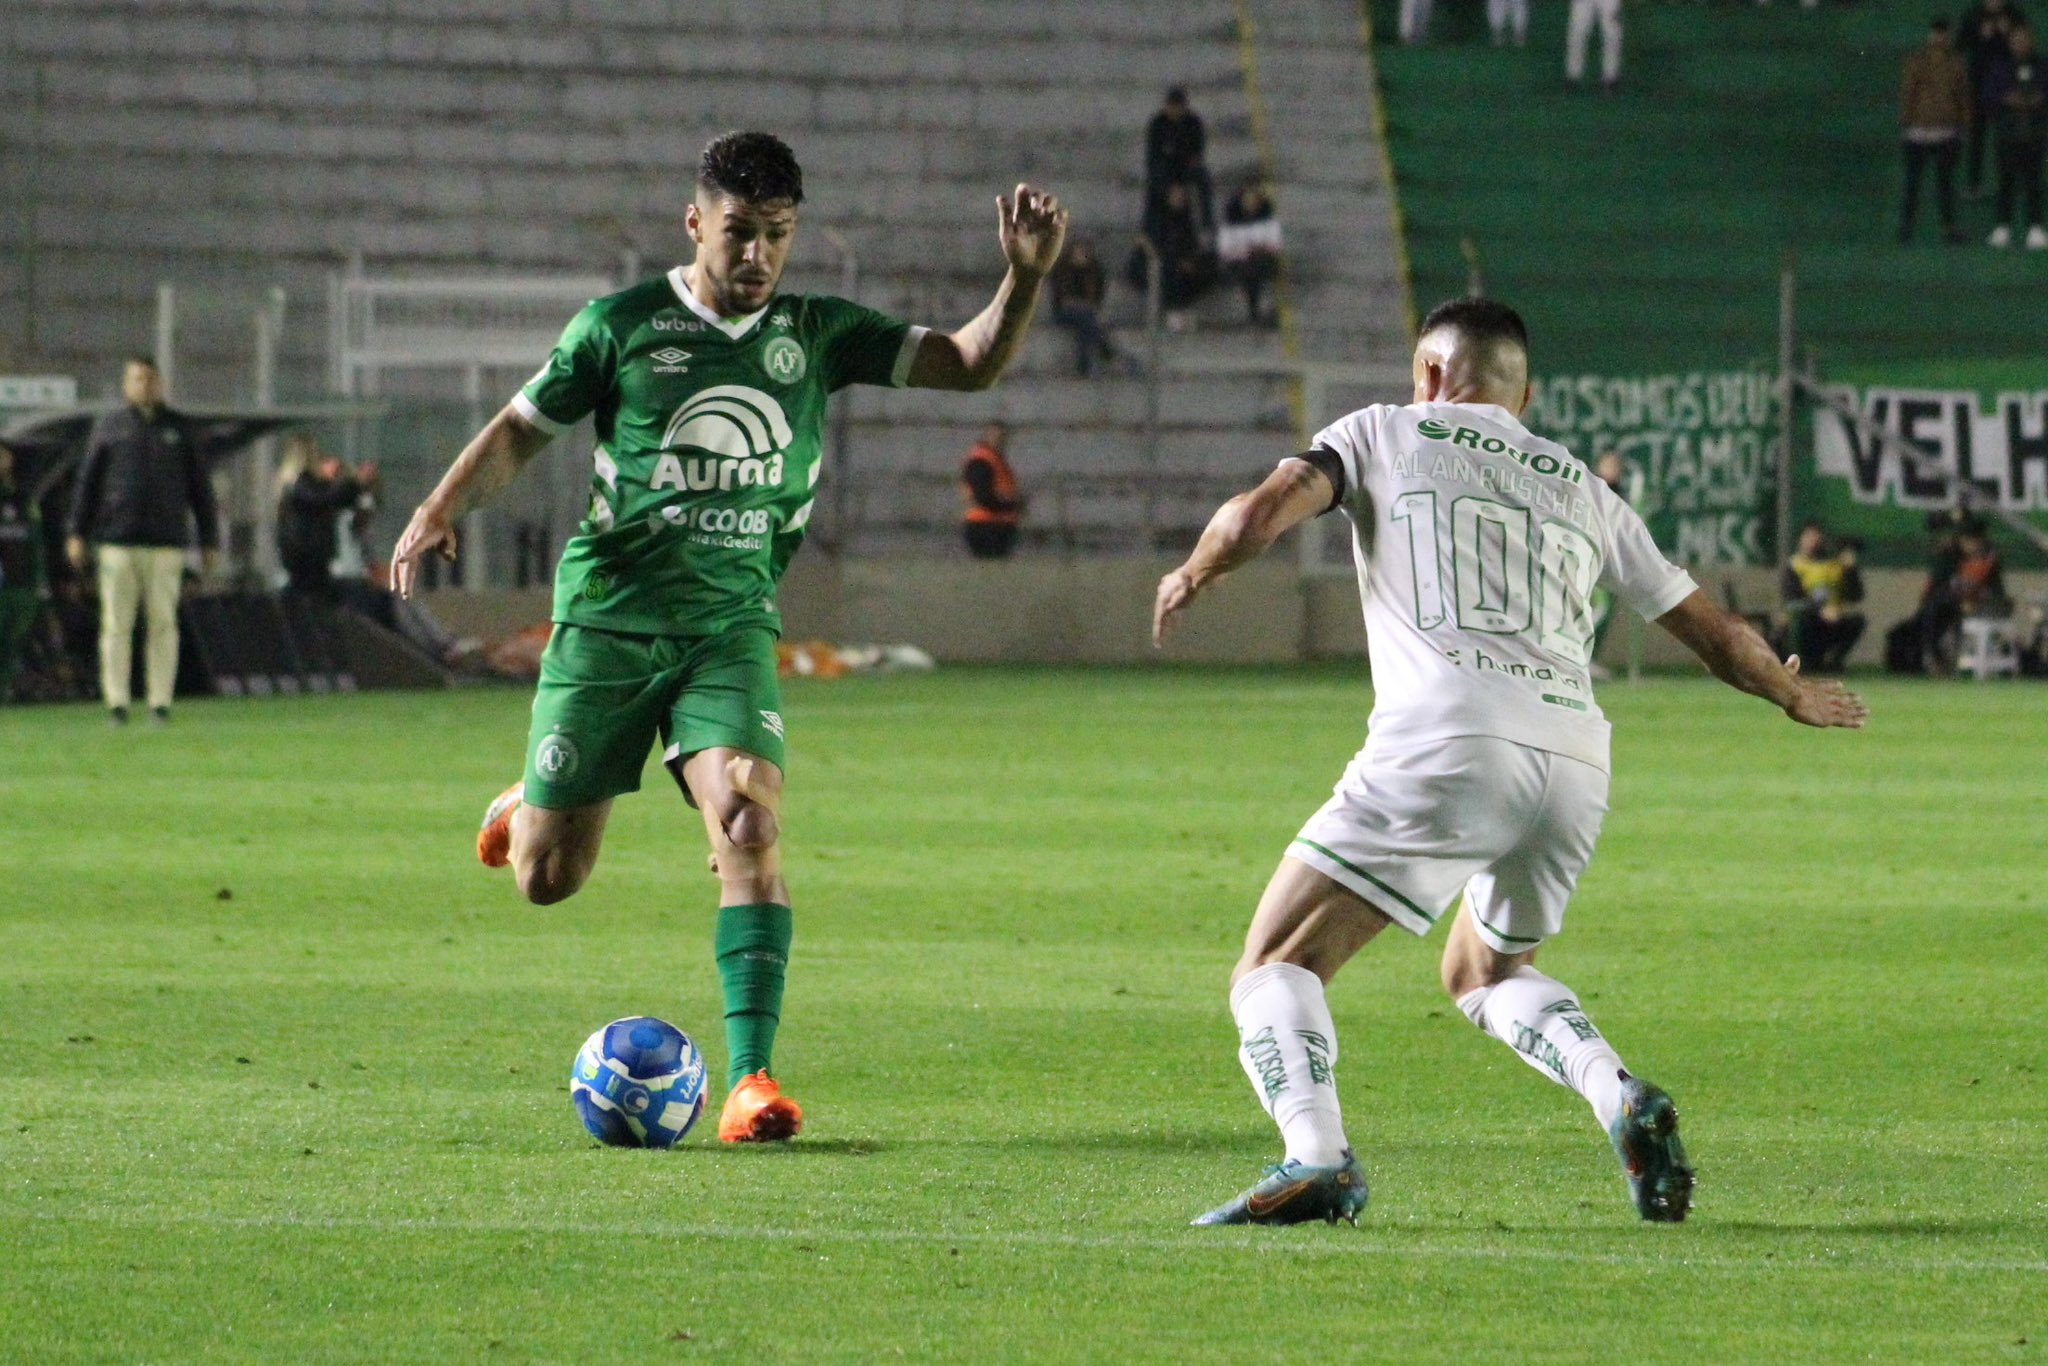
(638, 1083)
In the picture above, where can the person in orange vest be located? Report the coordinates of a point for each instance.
(994, 506)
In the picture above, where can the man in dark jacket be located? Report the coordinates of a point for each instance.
(1935, 110)
(1176, 153)
(1078, 288)
(143, 473)
(309, 517)
(2019, 101)
(1985, 38)
(1187, 268)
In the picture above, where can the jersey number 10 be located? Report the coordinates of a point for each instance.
(1496, 586)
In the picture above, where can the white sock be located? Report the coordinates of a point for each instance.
(1540, 1019)
(1288, 1046)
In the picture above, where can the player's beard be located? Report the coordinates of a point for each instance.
(746, 296)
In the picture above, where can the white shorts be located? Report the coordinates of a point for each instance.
(1411, 825)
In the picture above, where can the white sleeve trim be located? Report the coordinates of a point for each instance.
(1676, 590)
(906, 356)
(524, 407)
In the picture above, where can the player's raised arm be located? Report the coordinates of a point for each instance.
(1734, 653)
(490, 461)
(1032, 227)
(1240, 532)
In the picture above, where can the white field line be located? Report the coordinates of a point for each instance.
(1275, 1243)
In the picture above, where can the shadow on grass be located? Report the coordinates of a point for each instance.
(2033, 1231)
(1245, 1144)
(1248, 1146)
(802, 1147)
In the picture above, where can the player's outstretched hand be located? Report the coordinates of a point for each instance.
(1176, 591)
(1824, 702)
(428, 531)
(1033, 227)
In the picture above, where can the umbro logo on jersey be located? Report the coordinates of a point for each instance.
(668, 355)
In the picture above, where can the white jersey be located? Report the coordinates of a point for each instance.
(1478, 548)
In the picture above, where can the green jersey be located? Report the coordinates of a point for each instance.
(709, 448)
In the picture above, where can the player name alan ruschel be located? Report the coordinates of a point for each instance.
(1478, 581)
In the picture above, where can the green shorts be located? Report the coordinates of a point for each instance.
(605, 696)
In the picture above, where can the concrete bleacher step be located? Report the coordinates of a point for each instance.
(241, 143)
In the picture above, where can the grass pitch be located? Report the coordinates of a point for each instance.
(283, 1071)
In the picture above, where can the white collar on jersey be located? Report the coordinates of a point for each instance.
(734, 328)
(1484, 407)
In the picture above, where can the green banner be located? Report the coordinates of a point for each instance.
(1697, 446)
(1995, 445)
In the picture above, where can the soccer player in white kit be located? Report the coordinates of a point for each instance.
(1479, 793)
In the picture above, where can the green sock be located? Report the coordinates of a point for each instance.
(753, 955)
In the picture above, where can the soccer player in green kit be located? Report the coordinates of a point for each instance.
(708, 390)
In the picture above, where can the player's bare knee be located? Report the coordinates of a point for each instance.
(752, 827)
(548, 879)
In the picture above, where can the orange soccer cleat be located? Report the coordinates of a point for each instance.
(758, 1112)
(494, 841)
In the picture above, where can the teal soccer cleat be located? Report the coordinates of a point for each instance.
(1291, 1193)
(1645, 1135)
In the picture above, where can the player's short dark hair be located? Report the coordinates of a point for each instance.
(1486, 321)
(755, 168)
(137, 358)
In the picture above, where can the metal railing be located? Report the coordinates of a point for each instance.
(1154, 345)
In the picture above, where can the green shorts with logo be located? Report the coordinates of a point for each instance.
(605, 697)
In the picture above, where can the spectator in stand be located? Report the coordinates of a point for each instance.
(1948, 526)
(1248, 245)
(1979, 582)
(1985, 38)
(2019, 100)
(1078, 288)
(994, 504)
(1934, 114)
(142, 474)
(1579, 33)
(1967, 581)
(1176, 153)
(314, 493)
(1415, 17)
(1186, 266)
(354, 573)
(21, 573)
(1821, 586)
(1508, 20)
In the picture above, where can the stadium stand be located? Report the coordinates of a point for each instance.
(1739, 132)
(230, 143)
